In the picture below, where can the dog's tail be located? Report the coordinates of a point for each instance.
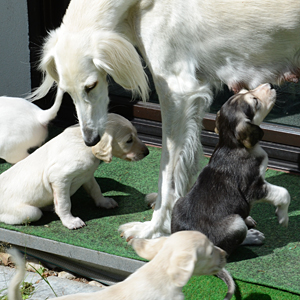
(45, 116)
(226, 277)
(14, 285)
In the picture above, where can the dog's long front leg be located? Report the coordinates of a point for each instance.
(183, 103)
(62, 205)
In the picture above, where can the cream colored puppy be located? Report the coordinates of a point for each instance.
(174, 260)
(23, 126)
(59, 168)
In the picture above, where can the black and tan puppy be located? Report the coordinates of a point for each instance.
(219, 203)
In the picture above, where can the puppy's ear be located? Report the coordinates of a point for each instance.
(217, 123)
(248, 134)
(103, 150)
(181, 268)
(148, 248)
(120, 60)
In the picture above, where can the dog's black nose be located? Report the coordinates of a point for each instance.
(146, 151)
(91, 137)
(271, 86)
(93, 142)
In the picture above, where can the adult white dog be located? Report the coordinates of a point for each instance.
(190, 47)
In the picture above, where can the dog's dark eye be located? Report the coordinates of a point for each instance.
(88, 88)
(255, 101)
(130, 140)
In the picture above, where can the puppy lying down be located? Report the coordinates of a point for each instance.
(23, 127)
(219, 203)
(174, 260)
(59, 168)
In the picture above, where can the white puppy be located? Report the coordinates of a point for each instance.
(59, 168)
(174, 260)
(23, 127)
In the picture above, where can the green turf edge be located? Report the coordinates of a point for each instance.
(212, 288)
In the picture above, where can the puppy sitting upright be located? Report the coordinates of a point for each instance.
(54, 172)
(219, 203)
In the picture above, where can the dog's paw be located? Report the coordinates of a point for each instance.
(150, 199)
(139, 230)
(108, 203)
(282, 216)
(250, 222)
(73, 223)
(254, 237)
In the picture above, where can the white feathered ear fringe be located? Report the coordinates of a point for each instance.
(119, 59)
(47, 66)
(103, 150)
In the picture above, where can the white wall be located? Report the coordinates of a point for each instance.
(14, 48)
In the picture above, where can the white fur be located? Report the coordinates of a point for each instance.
(54, 172)
(23, 125)
(190, 47)
(173, 261)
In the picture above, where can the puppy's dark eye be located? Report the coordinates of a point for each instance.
(88, 88)
(130, 140)
(256, 102)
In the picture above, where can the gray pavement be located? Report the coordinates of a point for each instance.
(42, 291)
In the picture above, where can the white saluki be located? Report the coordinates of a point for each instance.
(190, 47)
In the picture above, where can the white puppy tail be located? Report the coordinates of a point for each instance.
(45, 116)
(226, 277)
(14, 285)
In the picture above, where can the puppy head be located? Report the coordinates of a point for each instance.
(239, 118)
(183, 254)
(120, 140)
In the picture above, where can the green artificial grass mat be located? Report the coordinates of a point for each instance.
(275, 264)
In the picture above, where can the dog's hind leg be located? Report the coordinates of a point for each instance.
(253, 237)
(228, 233)
(21, 214)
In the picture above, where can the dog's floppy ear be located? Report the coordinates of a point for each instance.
(47, 66)
(103, 150)
(181, 267)
(248, 134)
(119, 59)
(148, 248)
(47, 63)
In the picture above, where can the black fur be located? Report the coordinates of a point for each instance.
(227, 186)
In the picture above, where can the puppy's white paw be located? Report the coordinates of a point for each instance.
(73, 223)
(108, 203)
(250, 222)
(282, 216)
(254, 237)
(139, 230)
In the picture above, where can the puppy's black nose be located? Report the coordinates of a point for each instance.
(146, 152)
(271, 86)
